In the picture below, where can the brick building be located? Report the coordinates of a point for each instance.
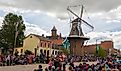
(106, 45)
(76, 39)
(35, 44)
(55, 38)
(49, 45)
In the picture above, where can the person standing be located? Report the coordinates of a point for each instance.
(8, 60)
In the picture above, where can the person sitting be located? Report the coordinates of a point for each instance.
(70, 68)
(40, 68)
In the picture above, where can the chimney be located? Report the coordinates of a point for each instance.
(60, 35)
(42, 35)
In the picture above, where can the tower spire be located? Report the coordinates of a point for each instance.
(54, 32)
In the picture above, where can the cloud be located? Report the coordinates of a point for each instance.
(34, 29)
(58, 7)
(102, 21)
(104, 15)
(30, 28)
(103, 36)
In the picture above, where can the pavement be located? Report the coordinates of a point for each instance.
(31, 67)
(22, 67)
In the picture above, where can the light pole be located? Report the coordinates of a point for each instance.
(97, 48)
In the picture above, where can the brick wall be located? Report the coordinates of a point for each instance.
(91, 49)
(106, 45)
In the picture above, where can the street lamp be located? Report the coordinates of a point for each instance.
(97, 48)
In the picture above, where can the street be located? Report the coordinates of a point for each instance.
(30, 67)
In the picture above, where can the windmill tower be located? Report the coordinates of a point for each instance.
(76, 36)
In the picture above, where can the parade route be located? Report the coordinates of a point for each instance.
(31, 67)
(21, 67)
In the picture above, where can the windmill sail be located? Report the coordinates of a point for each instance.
(76, 28)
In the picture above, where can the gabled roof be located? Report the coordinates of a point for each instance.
(40, 37)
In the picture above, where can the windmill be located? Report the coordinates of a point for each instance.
(76, 36)
(76, 23)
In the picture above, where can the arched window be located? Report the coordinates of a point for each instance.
(30, 36)
(21, 50)
(41, 51)
(53, 52)
(45, 44)
(47, 52)
(53, 46)
(41, 44)
(48, 45)
(58, 52)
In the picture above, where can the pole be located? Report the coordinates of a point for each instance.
(96, 48)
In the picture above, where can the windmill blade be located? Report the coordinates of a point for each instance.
(69, 17)
(70, 20)
(79, 23)
(81, 12)
(80, 18)
(87, 23)
(72, 12)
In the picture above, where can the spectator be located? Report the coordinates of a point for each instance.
(39, 69)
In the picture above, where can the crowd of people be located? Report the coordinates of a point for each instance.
(8, 60)
(102, 64)
(62, 62)
(15, 59)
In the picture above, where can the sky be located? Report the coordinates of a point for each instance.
(41, 15)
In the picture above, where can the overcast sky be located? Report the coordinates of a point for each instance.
(41, 15)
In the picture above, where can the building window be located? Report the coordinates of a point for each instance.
(53, 46)
(45, 52)
(41, 51)
(21, 50)
(55, 52)
(58, 52)
(30, 36)
(41, 44)
(45, 44)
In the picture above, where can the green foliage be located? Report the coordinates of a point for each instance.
(12, 26)
(64, 50)
(101, 52)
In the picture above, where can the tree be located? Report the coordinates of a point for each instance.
(101, 52)
(65, 51)
(12, 29)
